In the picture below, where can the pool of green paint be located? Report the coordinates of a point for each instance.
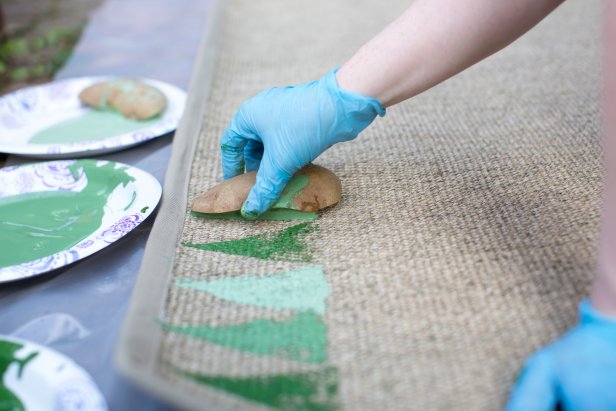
(40, 224)
(91, 125)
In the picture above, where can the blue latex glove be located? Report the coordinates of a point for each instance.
(578, 371)
(282, 129)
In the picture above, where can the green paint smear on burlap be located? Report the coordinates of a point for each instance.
(307, 391)
(289, 244)
(37, 225)
(8, 400)
(91, 125)
(302, 338)
(302, 289)
(270, 215)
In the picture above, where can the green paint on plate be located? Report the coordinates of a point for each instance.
(37, 225)
(289, 244)
(302, 289)
(270, 215)
(91, 125)
(307, 391)
(8, 400)
(301, 338)
(132, 200)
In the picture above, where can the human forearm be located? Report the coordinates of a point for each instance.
(603, 294)
(433, 40)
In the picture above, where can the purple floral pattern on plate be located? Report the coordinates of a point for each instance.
(80, 395)
(59, 91)
(59, 175)
(121, 228)
(44, 264)
(42, 177)
(85, 244)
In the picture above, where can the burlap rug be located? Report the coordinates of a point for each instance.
(464, 240)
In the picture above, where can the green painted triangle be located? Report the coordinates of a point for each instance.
(290, 244)
(308, 391)
(302, 289)
(301, 338)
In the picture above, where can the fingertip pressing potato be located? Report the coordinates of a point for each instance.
(311, 189)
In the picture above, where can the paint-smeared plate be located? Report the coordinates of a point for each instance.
(28, 115)
(36, 378)
(55, 213)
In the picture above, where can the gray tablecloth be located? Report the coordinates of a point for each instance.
(79, 310)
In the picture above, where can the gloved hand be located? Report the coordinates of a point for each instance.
(282, 129)
(578, 371)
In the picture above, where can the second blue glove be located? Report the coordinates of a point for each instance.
(578, 371)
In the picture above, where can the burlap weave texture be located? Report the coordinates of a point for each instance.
(467, 229)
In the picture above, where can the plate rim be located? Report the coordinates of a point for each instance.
(109, 144)
(144, 181)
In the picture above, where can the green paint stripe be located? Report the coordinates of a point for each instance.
(301, 338)
(24, 362)
(302, 289)
(270, 215)
(308, 391)
(289, 244)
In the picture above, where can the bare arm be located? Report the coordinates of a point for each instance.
(603, 294)
(434, 40)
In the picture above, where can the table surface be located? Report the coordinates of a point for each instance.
(79, 310)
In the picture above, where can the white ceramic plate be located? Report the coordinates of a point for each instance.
(57, 212)
(26, 112)
(36, 378)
